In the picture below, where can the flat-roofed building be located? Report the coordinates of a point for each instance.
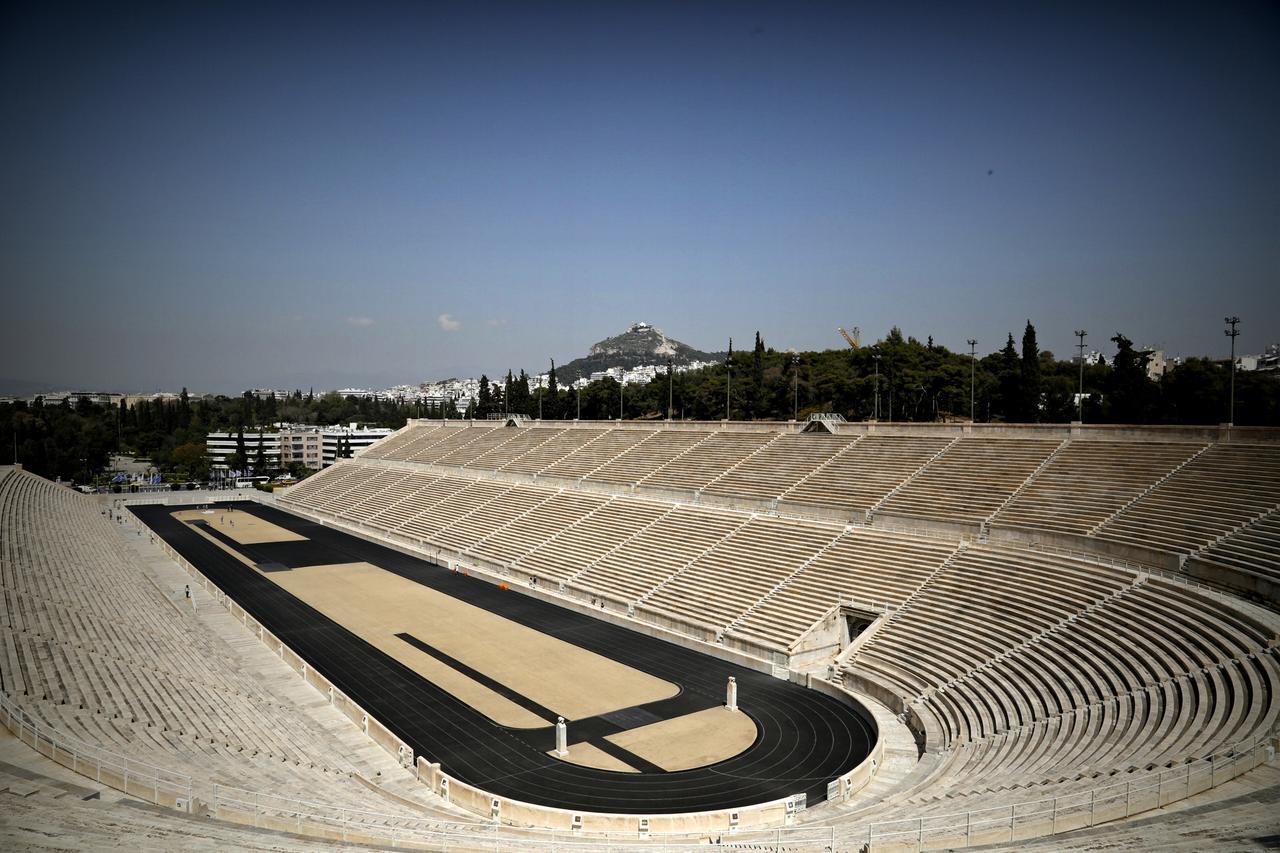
(352, 436)
(315, 447)
(221, 446)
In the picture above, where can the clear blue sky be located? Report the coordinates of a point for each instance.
(221, 195)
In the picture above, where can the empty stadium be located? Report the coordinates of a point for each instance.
(940, 635)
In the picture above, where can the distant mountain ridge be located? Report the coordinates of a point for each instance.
(640, 345)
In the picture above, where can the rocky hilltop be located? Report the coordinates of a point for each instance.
(638, 346)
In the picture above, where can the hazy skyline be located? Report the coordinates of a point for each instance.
(229, 195)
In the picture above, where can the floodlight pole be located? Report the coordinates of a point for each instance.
(578, 388)
(795, 387)
(671, 383)
(621, 390)
(1081, 334)
(728, 379)
(973, 372)
(1232, 333)
(876, 357)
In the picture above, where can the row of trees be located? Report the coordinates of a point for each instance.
(903, 379)
(899, 378)
(76, 441)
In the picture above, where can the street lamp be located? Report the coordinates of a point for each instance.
(973, 368)
(1232, 333)
(1081, 333)
(578, 387)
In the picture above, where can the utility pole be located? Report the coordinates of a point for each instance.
(1081, 333)
(1232, 333)
(621, 390)
(578, 388)
(973, 370)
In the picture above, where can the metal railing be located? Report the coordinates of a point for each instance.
(1066, 812)
(362, 825)
(1007, 823)
(133, 777)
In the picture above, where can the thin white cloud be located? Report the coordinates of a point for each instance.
(448, 324)
(360, 322)
(498, 323)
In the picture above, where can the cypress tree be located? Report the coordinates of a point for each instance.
(484, 405)
(1030, 391)
(1010, 381)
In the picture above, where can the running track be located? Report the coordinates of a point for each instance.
(805, 739)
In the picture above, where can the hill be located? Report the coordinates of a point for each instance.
(639, 345)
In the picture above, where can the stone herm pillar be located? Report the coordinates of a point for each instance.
(731, 694)
(562, 737)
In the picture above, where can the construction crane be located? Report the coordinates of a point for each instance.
(854, 338)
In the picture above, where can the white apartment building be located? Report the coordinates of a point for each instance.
(356, 436)
(315, 447)
(221, 446)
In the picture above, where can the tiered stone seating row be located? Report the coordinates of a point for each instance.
(556, 448)
(91, 648)
(969, 480)
(504, 506)
(1036, 668)
(519, 442)
(1071, 487)
(1088, 481)
(590, 538)
(357, 488)
(465, 497)
(864, 567)
(313, 485)
(1222, 489)
(1255, 548)
(524, 533)
(395, 445)
(776, 468)
(598, 452)
(1041, 667)
(636, 566)
(861, 476)
(645, 457)
(432, 445)
(699, 465)
(748, 564)
(602, 545)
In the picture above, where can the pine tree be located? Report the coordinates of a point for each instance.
(1132, 391)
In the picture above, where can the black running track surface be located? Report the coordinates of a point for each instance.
(804, 740)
